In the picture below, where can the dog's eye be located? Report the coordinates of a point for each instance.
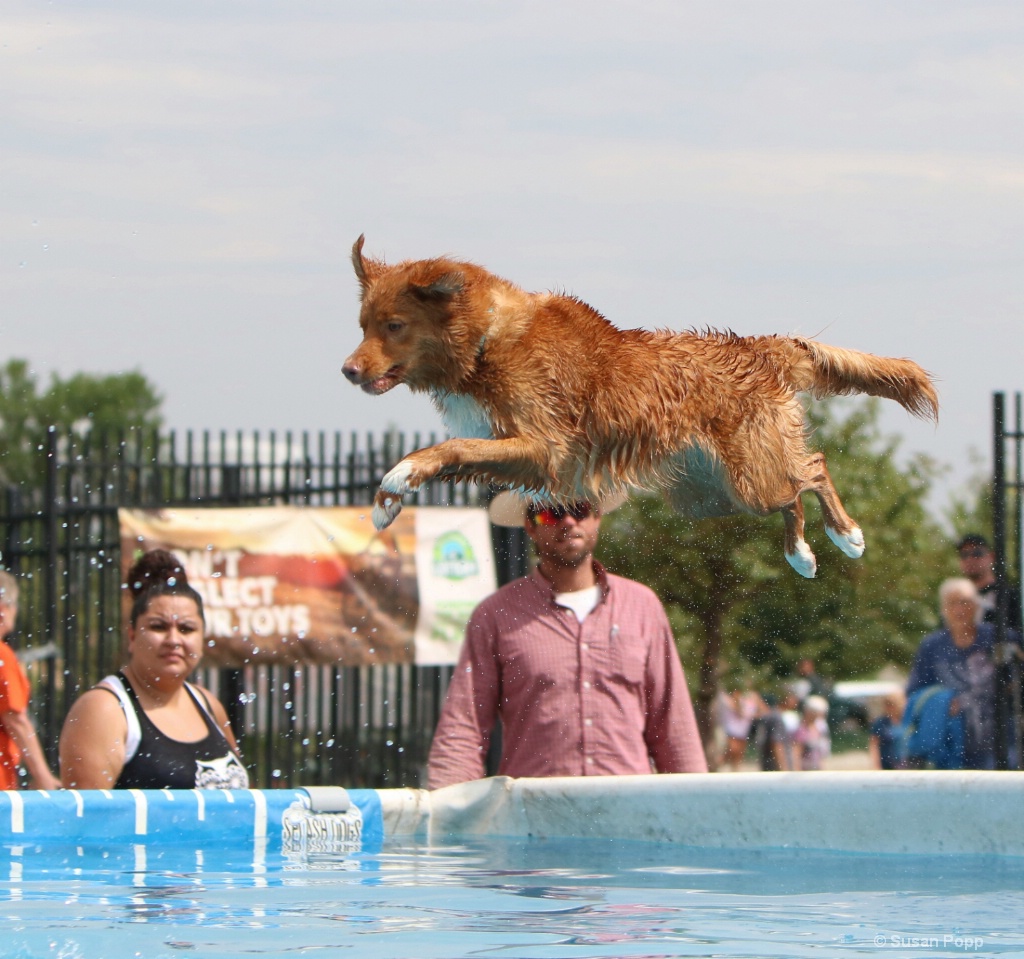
(395, 325)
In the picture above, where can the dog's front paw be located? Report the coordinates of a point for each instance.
(399, 479)
(802, 560)
(851, 543)
(386, 506)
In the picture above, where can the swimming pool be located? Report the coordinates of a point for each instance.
(557, 868)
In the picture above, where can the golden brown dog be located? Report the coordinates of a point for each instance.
(542, 394)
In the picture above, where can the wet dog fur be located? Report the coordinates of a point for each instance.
(541, 393)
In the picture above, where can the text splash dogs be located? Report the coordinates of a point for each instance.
(541, 393)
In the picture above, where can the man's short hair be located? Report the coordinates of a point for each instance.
(972, 539)
(8, 589)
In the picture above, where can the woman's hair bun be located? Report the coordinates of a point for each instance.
(158, 567)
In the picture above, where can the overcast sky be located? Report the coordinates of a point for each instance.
(180, 183)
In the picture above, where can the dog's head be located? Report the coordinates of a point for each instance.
(406, 322)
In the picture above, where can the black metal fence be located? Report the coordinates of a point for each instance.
(1007, 492)
(357, 726)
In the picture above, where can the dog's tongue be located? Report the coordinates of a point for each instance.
(380, 385)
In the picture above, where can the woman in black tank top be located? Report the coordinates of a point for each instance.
(160, 762)
(148, 728)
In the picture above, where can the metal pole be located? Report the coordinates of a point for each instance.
(51, 574)
(1003, 685)
(1017, 757)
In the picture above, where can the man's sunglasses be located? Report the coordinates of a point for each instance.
(553, 515)
(976, 553)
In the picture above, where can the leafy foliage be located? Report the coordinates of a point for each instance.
(739, 609)
(84, 403)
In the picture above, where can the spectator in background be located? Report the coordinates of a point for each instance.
(955, 664)
(147, 727)
(840, 710)
(977, 563)
(773, 742)
(580, 666)
(884, 744)
(813, 743)
(18, 739)
(810, 683)
(736, 709)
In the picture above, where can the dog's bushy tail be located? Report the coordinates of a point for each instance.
(830, 371)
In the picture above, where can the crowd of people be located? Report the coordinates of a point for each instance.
(945, 718)
(786, 733)
(578, 668)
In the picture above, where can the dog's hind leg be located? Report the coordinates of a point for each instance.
(841, 529)
(798, 553)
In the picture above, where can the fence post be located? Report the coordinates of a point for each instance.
(51, 572)
(234, 678)
(50, 528)
(1003, 655)
(12, 532)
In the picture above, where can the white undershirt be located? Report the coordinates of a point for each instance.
(581, 601)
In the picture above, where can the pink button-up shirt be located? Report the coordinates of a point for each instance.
(599, 698)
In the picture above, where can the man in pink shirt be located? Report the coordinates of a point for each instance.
(580, 666)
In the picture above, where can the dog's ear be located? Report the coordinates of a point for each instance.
(366, 270)
(443, 287)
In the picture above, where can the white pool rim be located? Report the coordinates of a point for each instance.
(870, 812)
(920, 812)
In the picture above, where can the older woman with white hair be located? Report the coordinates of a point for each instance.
(958, 659)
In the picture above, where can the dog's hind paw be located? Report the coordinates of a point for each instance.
(386, 506)
(802, 560)
(851, 543)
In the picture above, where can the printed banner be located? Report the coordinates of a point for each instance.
(320, 585)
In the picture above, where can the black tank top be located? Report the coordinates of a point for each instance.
(164, 763)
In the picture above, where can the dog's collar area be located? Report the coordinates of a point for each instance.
(483, 336)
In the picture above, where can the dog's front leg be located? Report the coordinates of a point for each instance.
(514, 461)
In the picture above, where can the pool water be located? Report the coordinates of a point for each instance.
(513, 899)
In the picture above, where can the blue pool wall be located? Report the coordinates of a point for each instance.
(889, 812)
(165, 816)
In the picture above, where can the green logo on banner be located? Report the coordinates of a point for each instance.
(454, 557)
(450, 620)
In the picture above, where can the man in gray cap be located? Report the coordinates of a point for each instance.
(580, 666)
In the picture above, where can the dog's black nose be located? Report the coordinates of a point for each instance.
(351, 371)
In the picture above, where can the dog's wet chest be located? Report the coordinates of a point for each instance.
(700, 487)
(464, 417)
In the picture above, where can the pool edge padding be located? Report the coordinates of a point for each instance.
(193, 816)
(871, 812)
(926, 812)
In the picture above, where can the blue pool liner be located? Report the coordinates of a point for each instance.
(196, 817)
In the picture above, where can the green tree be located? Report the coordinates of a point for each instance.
(84, 403)
(736, 605)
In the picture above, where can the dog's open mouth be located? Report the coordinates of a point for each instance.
(383, 383)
